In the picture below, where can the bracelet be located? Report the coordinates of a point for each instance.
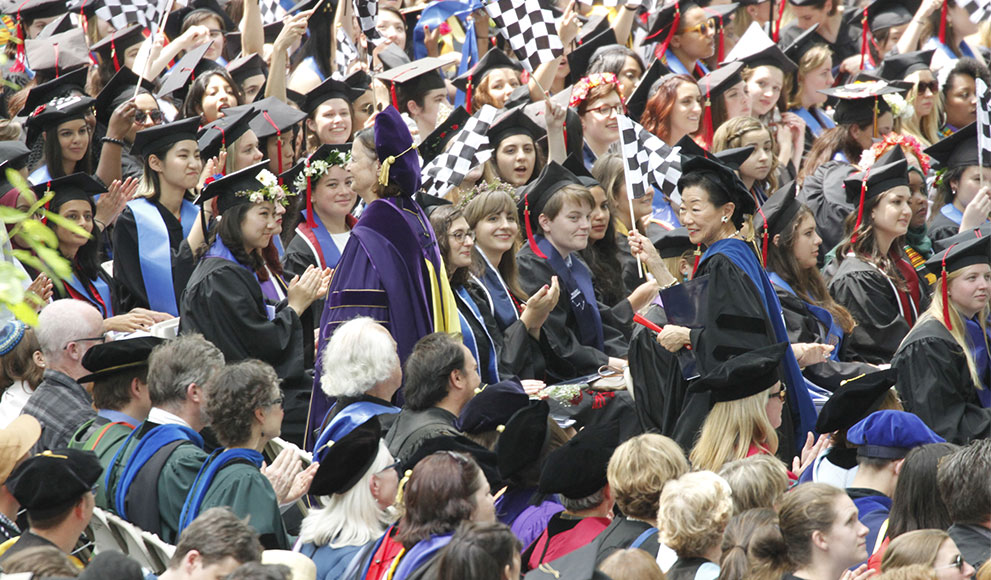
(102, 225)
(118, 142)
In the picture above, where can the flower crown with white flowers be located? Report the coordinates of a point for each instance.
(270, 191)
(319, 167)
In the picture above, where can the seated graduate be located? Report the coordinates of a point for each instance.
(514, 352)
(361, 372)
(813, 510)
(229, 298)
(73, 202)
(516, 157)
(120, 160)
(441, 377)
(391, 268)
(276, 125)
(577, 473)
(687, 36)
(555, 210)
(961, 203)
(329, 118)
(157, 232)
(230, 140)
(491, 81)
(484, 417)
(854, 400)
(119, 373)
(943, 362)
(692, 513)
(244, 405)
(739, 309)
(520, 462)
(811, 314)
(872, 279)
(356, 484)
(443, 490)
(249, 72)
(883, 439)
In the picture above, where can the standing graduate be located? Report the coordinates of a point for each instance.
(391, 268)
(156, 234)
(944, 370)
(227, 300)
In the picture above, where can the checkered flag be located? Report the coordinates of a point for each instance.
(274, 10)
(529, 29)
(367, 11)
(122, 14)
(346, 53)
(468, 149)
(649, 161)
(984, 123)
(979, 10)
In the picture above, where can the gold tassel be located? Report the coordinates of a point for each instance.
(384, 170)
(402, 485)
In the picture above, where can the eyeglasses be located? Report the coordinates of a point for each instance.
(101, 339)
(958, 563)
(703, 28)
(276, 401)
(142, 116)
(606, 111)
(781, 395)
(921, 87)
(460, 236)
(397, 465)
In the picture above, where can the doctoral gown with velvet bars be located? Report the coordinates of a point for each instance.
(934, 383)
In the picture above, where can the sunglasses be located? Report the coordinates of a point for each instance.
(932, 86)
(142, 116)
(957, 563)
(703, 28)
(781, 395)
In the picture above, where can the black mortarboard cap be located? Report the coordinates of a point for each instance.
(637, 103)
(112, 564)
(66, 83)
(577, 469)
(191, 65)
(51, 57)
(860, 102)
(673, 243)
(117, 43)
(282, 115)
(393, 57)
(232, 39)
(724, 177)
(890, 434)
(245, 67)
(879, 179)
(329, 89)
(538, 192)
(69, 187)
(581, 57)
(513, 122)
(227, 187)
(594, 26)
(54, 113)
(958, 150)
(108, 359)
(117, 90)
(855, 399)
(803, 42)
(485, 459)
(576, 165)
(721, 80)
(222, 133)
(522, 439)
(779, 210)
(743, 375)
(438, 139)
(153, 139)
(414, 79)
(359, 80)
(721, 12)
(33, 9)
(735, 157)
(884, 14)
(85, 7)
(662, 22)
(493, 59)
(519, 97)
(492, 407)
(14, 154)
(755, 48)
(896, 67)
(61, 24)
(348, 459)
(969, 250)
(31, 482)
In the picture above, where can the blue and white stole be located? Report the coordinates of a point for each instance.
(155, 251)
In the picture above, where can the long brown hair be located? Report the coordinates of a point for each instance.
(656, 116)
(807, 282)
(866, 245)
(440, 220)
(838, 139)
(438, 496)
(486, 202)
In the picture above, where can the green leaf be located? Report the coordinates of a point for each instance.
(67, 224)
(24, 313)
(34, 230)
(11, 283)
(56, 263)
(9, 215)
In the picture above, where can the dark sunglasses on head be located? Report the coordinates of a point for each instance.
(142, 116)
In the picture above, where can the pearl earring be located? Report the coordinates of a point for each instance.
(725, 219)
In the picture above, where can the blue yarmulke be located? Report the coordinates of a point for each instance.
(11, 335)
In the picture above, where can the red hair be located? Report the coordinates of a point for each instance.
(656, 116)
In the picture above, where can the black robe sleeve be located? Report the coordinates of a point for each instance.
(297, 259)
(824, 194)
(934, 382)
(127, 261)
(870, 298)
(519, 353)
(942, 227)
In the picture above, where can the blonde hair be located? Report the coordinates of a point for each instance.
(913, 572)
(959, 331)
(730, 134)
(693, 512)
(730, 429)
(757, 481)
(925, 129)
(638, 470)
(631, 564)
(813, 58)
(915, 547)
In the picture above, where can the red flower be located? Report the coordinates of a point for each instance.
(444, 28)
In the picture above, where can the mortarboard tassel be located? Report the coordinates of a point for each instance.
(19, 59)
(698, 258)
(529, 229)
(113, 55)
(860, 207)
(722, 40)
(942, 24)
(863, 39)
(777, 22)
(278, 143)
(392, 93)
(468, 95)
(708, 129)
(310, 221)
(55, 48)
(766, 237)
(663, 48)
(946, 291)
(83, 19)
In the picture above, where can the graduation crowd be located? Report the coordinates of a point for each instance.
(390, 291)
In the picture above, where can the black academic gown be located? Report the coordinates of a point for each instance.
(934, 383)
(568, 357)
(519, 354)
(847, 40)
(824, 194)
(942, 227)
(130, 283)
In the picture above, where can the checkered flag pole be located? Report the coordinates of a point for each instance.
(367, 11)
(346, 53)
(468, 149)
(978, 10)
(649, 161)
(529, 29)
(983, 126)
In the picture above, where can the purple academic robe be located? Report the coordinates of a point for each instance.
(526, 521)
(381, 274)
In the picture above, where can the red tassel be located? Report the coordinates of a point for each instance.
(860, 207)
(946, 291)
(468, 95)
(113, 55)
(529, 229)
(707, 129)
(392, 92)
(777, 22)
(863, 39)
(19, 59)
(942, 24)
(55, 48)
(698, 258)
(278, 141)
(310, 221)
(663, 47)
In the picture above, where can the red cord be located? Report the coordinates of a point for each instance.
(529, 229)
(860, 208)
(946, 291)
(942, 24)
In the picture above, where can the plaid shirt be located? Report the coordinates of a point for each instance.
(61, 405)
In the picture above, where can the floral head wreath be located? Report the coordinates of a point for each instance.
(581, 89)
(890, 140)
(481, 188)
(270, 191)
(317, 168)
